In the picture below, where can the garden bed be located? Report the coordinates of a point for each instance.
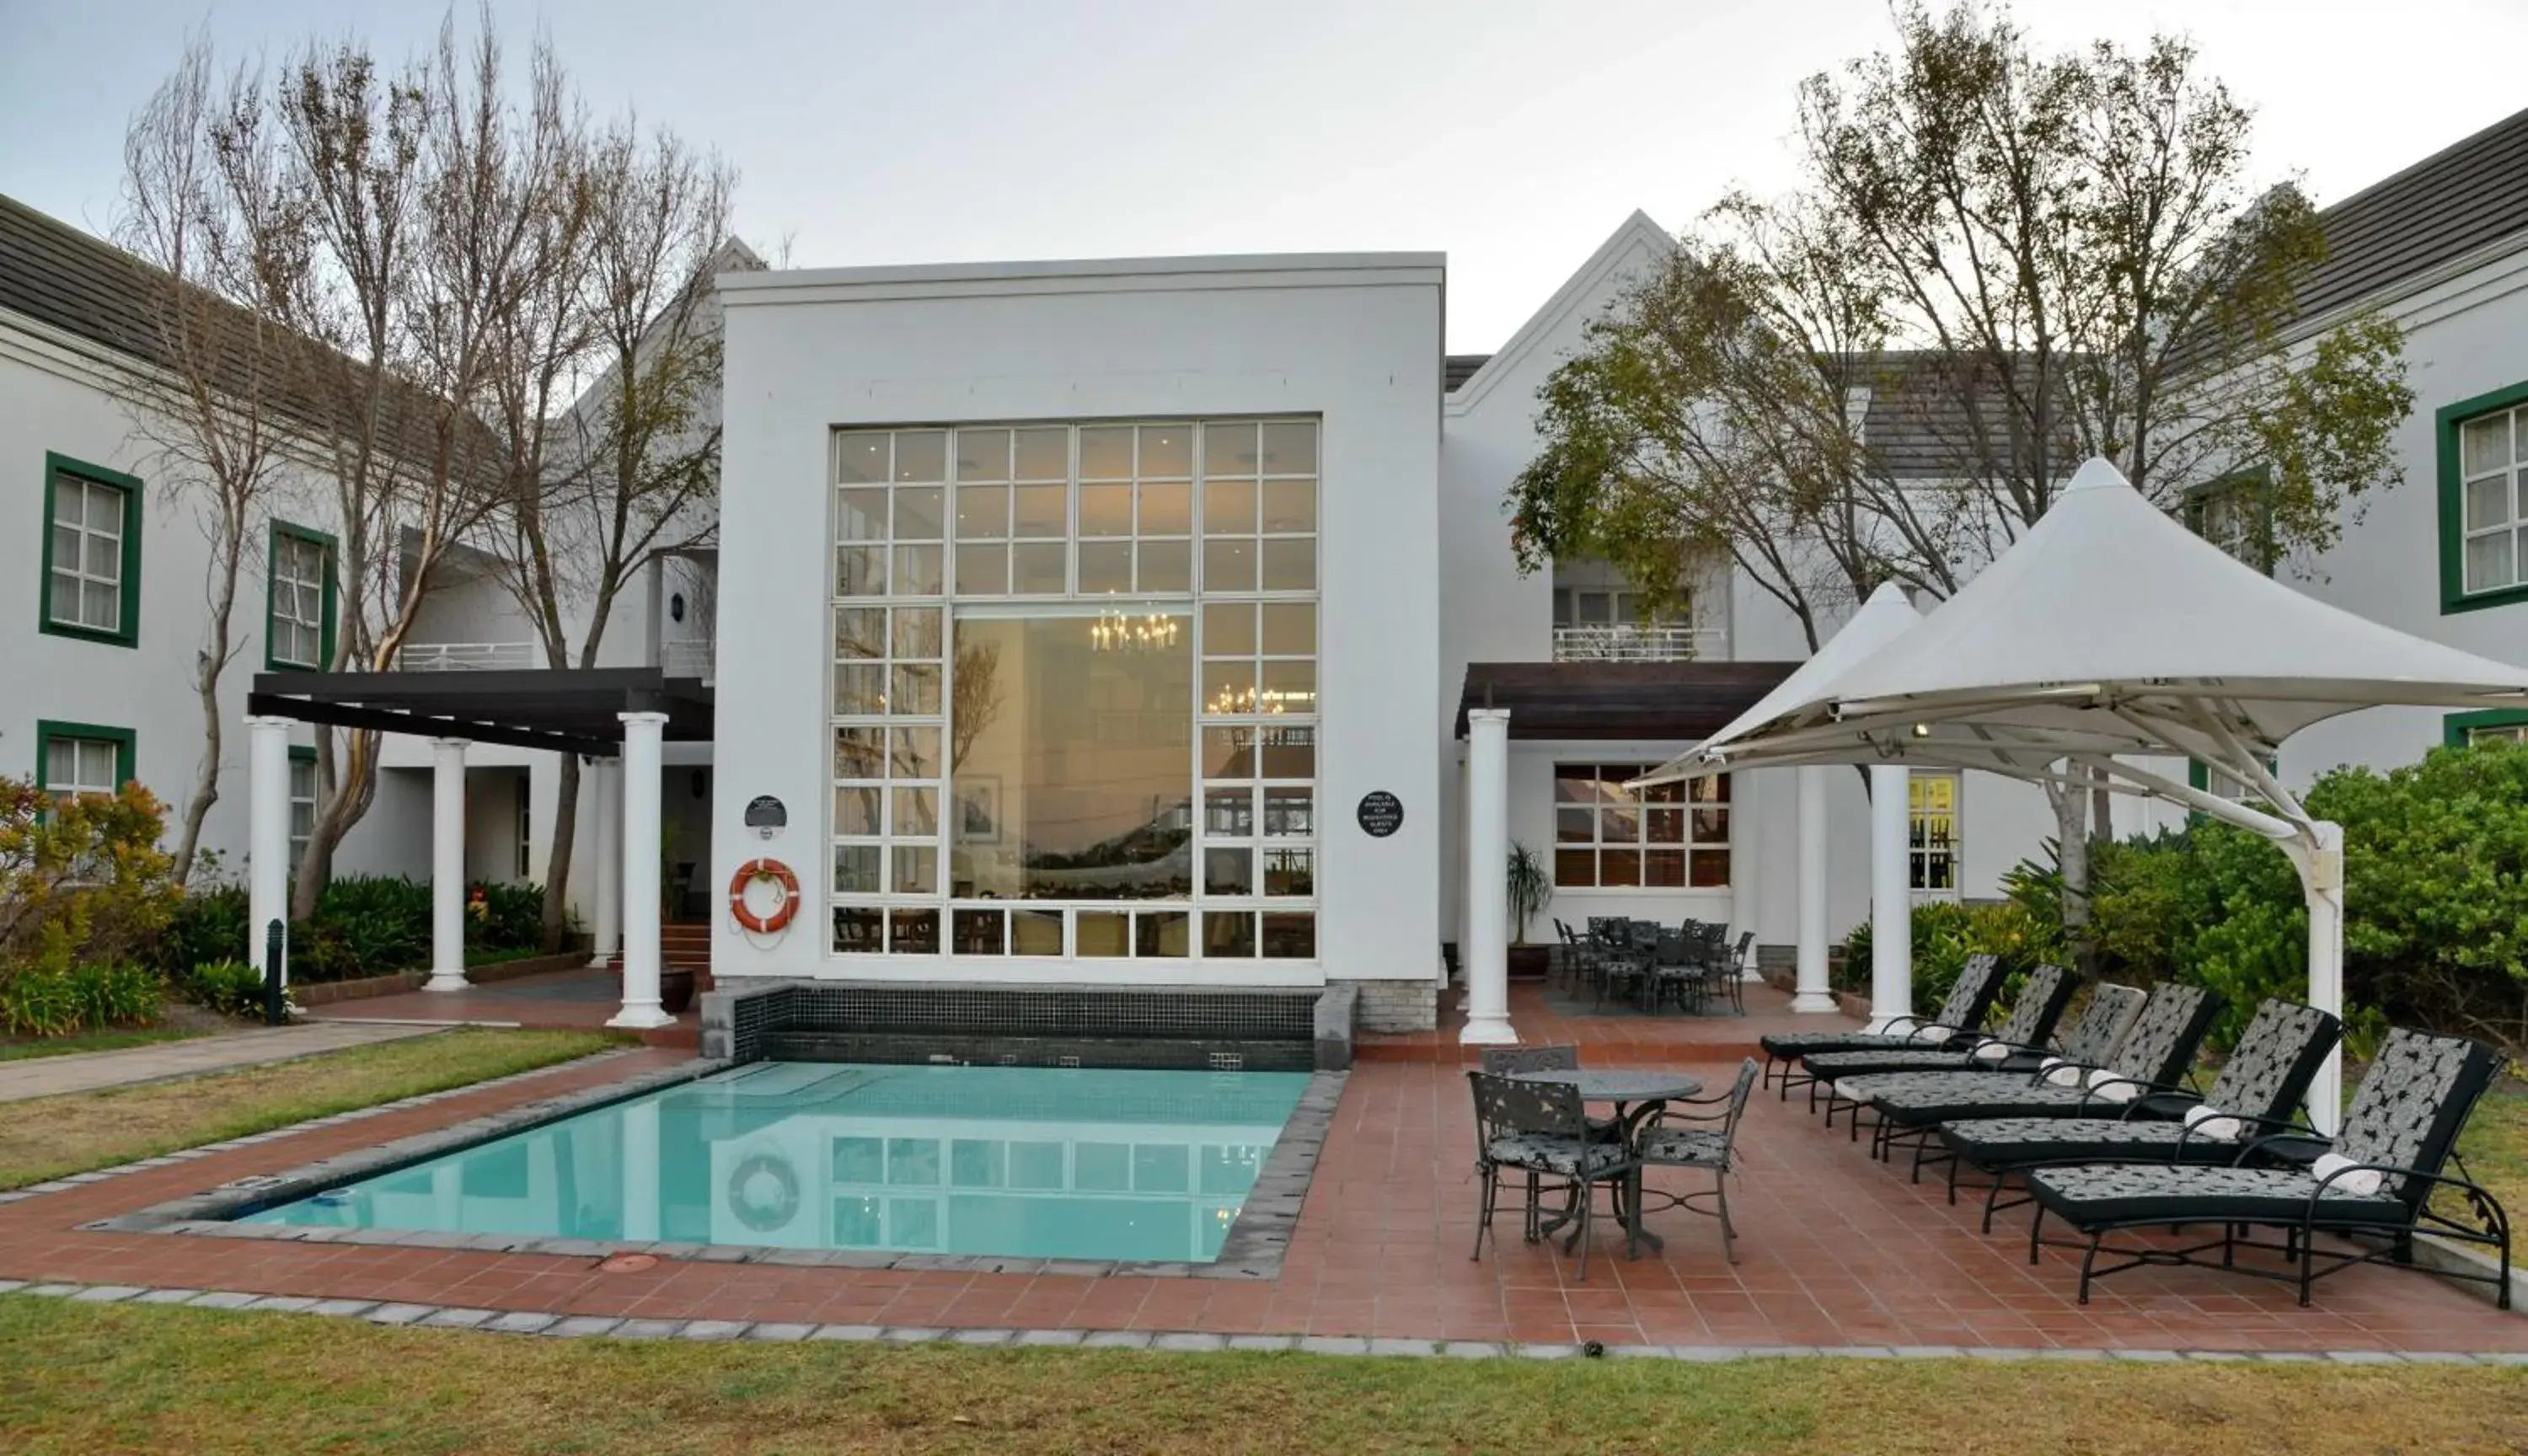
(327, 993)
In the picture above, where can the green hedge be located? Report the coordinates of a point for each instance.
(1945, 934)
(364, 925)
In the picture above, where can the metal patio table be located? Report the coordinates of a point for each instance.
(1637, 1096)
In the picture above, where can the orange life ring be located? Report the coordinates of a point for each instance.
(764, 869)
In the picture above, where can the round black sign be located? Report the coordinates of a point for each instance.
(1381, 813)
(767, 815)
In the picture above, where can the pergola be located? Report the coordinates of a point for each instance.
(1560, 702)
(616, 716)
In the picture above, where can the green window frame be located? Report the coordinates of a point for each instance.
(2458, 730)
(126, 747)
(125, 632)
(2447, 426)
(283, 536)
(2198, 776)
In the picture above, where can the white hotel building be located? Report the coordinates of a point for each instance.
(1123, 623)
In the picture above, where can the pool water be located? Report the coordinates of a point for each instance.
(1025, 1162)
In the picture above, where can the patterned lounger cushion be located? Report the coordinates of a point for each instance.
(2002, 1142)
(1828, 1066)
(1692, 1147)
(2100, 1195)
(1552, 1153)
(1795, 1044)
(1917, 1098)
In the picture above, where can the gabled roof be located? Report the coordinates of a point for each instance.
(1457, 369)
(1582, 288)
(2452, 204)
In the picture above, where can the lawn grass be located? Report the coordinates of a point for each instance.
(2496, 1146)
(79, 1378)
(50, 1137)
(110, 1039)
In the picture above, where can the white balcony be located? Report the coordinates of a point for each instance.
(1628, 643)
(469, 656)
(693, 659)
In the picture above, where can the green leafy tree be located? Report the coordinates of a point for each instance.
(1997, 263)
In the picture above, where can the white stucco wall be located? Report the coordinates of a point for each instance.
(1354, 340)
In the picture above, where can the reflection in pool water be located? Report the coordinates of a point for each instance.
(1025, 1162)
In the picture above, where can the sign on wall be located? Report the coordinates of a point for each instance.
(767, 815)
(1381, 813)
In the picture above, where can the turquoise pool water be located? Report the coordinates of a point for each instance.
(1025, 1162)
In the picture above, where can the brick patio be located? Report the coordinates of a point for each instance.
(1837, 1251)
(553, 1001)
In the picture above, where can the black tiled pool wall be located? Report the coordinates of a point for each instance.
(1189, 1028)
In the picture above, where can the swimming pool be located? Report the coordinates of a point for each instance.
(1025, 1162)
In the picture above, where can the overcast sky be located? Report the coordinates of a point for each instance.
(1514, 137)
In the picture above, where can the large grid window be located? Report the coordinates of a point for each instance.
(1074, 691)
(91, 552)
(1932, 849)
(2493, 486)
(1609, 836)
(299, 601)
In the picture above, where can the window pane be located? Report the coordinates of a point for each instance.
(1092, 804)
(1229, 933)
(2488, 562)
(859, 929)
(1290, 687)
(105, 511)
(921, 455)
(1288, 752)
(1043, 454)
(1228, 629)
(1291, 937)
(1290, 565)
(1229, 508)
(1105, 510)
(1710, 826)
(1228, 565)
(61, 765)
(2488, 502)
(101, 608)
(913, 932)
(1036, 932)
(982, 570)
(860, 571)
(917, 571)
(917, 812)
(914, 688)
(1289, 505)
(1290, 628)
(1710, 869)
(1041, 511)
(1167, 508)
(913, 752)
(104, 559)
(1665, 826)
(1229, 688)
(1712, 790)
(856, 870)
(1167, 566)
(917, 632)
(1228, 752)
(983, 454)
(1664, 869)
(1161, 934)
(1103, 933)
(860, 753)
(1290, 871)
(1229, 449)
(1105, 566)
(859, 631)
(1619, 824)
(917, 870)
(983, 512)
(1290, 447)
(859, 689)
(1290, 811)
(1575, 868)
(1228, 813)
(1106, 453)
(861, 458)
(1040, 569)
(2485, 443)
(1230, 872)
(1167, 450)
(1575, 826)
(860, 514)
(856, 810)
(1619, 869)
(920, 512)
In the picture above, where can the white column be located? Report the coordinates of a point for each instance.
(447, 865)
(1891, 896)
(267, 833)
(641, 734)
(1814, 995)
(640, 1169)
(1487, 866)
(2321, 867)
(605, 858)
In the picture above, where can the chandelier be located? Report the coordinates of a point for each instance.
(1118, 632)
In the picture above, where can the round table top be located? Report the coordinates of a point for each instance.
(1619, 1086)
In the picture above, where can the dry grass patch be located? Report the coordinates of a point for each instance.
(49, 1137)
(81, 1379)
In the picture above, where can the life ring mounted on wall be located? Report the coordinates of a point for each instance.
(774, 920)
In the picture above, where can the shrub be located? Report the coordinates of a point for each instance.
(81, 871)
(206, 925)
(511, 918)
(116, 995)
(231, 987)
(1945, 933)
(36, 1001)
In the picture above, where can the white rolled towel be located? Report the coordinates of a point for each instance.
(2359, 1184)
(2111, 1085)
(2210, 1121)
(1931, 1033)
(1992, 1052)
(2059, 1071)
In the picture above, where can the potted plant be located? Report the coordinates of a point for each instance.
(1529, 888)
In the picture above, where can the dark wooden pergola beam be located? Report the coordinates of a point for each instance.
(389, 720)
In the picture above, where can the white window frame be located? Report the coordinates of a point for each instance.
(1920, 854)
(83, 754)
(292, 587)
(2512, 472)
(1642, 844)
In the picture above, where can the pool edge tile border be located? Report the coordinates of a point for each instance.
(1251, 1250)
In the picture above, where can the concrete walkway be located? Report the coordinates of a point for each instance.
(87, 1071)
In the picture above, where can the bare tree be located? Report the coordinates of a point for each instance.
(2009, 261)
(208, 391)
(626, 476)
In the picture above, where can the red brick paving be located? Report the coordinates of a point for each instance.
(1837, 1250)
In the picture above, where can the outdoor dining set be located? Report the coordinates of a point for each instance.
(2100, 1121)
(1691, 968)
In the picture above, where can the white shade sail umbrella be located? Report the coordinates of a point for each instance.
(2111, 630)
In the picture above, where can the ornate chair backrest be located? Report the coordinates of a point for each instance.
(2103, 1024)
(2040, 1005)
(1509, 1062)
(2164, 1038)
(2275, 1060)
(1738, 1092)
(2413, 1104)
(1972, 996)
(1510, 1104)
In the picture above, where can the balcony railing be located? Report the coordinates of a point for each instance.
(1638, 644)
(469, 656)
(687, 659)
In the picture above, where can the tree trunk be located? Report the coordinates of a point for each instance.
(206, 778)
(2072, 839)
(566, 831)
